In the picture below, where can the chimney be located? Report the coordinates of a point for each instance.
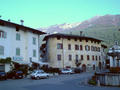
(81, 32)
(8, 20)
(22, 21)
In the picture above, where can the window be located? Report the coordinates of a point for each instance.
(98, 49)
(59, 46)
(70, 57)
(99, 58)
(80, 40)
(96, 58)
(58, 38)
(93, 58)
(58, 57)
(86, 40)
(34, 53)
(88, 58)
(95, 48)
(87, 48)
(1, 50)
(81, 57)
(91, 48)
(68, 38)
(76, 47)
(17, 36)
(3, 34)
(17, 51)
(69, 46)
(76, 58)
(81, 48)
(75, 39)
(34, 40)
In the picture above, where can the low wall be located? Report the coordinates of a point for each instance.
(109, 79)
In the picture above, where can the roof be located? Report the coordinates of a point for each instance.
(71, 36)
(104, 46)
(22, 27)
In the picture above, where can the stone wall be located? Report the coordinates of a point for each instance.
(109, 79)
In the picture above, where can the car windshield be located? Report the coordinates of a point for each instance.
(65, 69)
(19, 72)
(2, 72)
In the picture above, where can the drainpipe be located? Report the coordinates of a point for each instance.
(63, 52)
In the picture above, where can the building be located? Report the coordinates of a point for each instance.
(18, 42)
(114, 56)
(70, 51)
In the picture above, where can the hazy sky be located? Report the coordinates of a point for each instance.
(42, 13)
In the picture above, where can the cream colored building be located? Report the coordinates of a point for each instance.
(64, 51)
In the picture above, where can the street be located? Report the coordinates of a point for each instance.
(61, 82)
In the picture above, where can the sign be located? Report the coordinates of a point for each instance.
(18, 58)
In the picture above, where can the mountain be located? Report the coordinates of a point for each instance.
(58, 28)
(105, 27)
(107, 20)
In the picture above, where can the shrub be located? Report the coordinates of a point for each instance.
(92, 82)
(7, 60)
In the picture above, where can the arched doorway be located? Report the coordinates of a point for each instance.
(84, 68)
(100, 66)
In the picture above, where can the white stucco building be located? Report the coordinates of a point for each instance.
(19, 42)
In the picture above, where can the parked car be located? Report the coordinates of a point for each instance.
(67, 71)
(39, 74)
(78, 70)
(3, 75)
(15, 74)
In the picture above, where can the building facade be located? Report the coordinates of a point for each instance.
(19, 42)
(70, 51)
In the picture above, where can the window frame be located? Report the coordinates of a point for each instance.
(1, 50)
(70, 57)
(18, 37)
(59, 57)
(59, 46)
(17, 51)
(34, 53)
(34, 41)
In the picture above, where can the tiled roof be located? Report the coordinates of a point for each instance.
(22, 27)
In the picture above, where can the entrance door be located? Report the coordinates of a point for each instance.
(84, 68)
(100, 67)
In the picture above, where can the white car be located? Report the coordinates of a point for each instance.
(67, 71)
(39, 74)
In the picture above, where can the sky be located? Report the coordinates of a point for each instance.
(43, 13)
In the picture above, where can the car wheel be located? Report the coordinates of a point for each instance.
(47, 76)
(37, 78)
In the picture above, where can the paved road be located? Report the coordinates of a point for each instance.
(62, 82)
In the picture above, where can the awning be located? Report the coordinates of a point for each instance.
(40, 62)
(22, 62)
